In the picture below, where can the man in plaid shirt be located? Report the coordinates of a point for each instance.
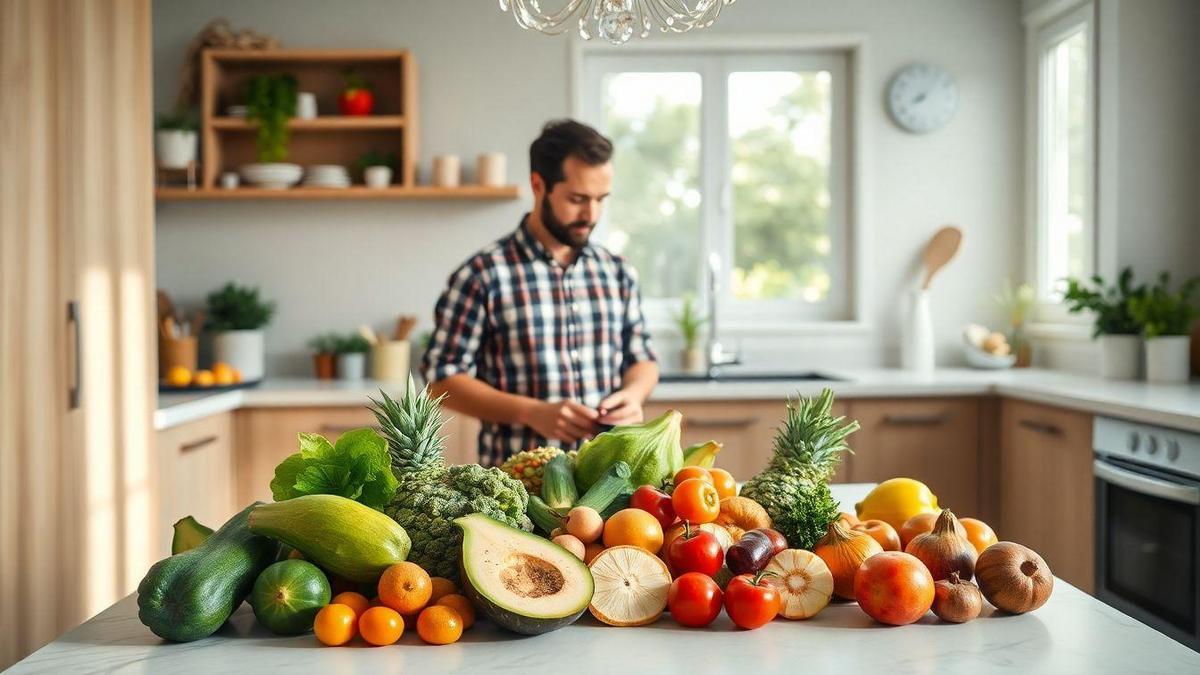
(541, 335)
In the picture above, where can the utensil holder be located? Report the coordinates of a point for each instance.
(389, 360)
(176, 352)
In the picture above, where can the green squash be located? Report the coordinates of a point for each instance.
(288, 595)
(188, 535)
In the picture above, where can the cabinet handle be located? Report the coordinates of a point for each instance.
(739, 422)
(916, 420)
(327, 429)
(75, 391)
(1041, 427)
(197, 444)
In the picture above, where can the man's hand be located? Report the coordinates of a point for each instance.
(620, 407)
(565, 421)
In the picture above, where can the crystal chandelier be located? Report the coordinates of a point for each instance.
(616, 20)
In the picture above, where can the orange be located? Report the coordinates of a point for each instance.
(203, 378)
(441, 587)
(439, 625)
(237, 375)
(405, 587)
(335, 624)
(381, 626)
(724, 482)
(355, 601)
(633, 527)
(222, 373)
(179, 376)
(979, 533)
(460, 604)
(693, 472)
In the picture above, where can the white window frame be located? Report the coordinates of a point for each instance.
(1044, 31)
(844, 56)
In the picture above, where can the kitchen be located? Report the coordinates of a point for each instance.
(1060, 142)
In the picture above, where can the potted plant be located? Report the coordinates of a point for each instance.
(1016, 302)
(237, 315)
(175, 140)
(689, 322)
(352, 357)
(1115, 326)
(1166, 319)
(271, 102)
(324, 348)
(377, 168)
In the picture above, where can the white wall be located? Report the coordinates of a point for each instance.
(486, 85)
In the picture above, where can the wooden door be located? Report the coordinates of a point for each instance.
(195, 475)
(1046, 487)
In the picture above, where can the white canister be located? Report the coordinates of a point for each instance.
(242, 349)
(916, 347)
(175, 148)
(306, 105)
(1120, 356)
(389, 360)
(490, 169)
(378, 177)
(1167, 359)
(446, 171)
(351, 366)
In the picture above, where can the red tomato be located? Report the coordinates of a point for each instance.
(689, 472)
(654, 502)
(696, 500)
(894, 588)
(356, 101)
(750, 601)
(694, 599)
(695, 551)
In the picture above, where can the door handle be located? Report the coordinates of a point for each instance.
(916, 420)
(1041, 427)
(75, 390)
(1154, 487)
(739, 422)
(197, 444)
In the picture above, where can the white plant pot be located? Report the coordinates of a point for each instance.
(1120, 356)
(242, 349)
(1167, 359)
(378, 177)
(351, 366)
(175, 148)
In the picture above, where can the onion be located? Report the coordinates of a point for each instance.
(1014, 578)
(944, 550)
(955, 600)
(844, 550)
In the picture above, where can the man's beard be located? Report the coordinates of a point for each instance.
(565, 233)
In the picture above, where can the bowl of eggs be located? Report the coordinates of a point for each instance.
(987, 349)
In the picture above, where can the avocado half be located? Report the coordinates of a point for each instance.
(520, 581)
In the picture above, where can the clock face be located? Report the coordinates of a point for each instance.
(922, 98)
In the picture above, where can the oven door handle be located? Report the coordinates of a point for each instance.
(1186, 494)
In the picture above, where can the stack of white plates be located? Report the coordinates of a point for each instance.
(277, 176)
(327, 176)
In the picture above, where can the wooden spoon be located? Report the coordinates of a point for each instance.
(940, 250)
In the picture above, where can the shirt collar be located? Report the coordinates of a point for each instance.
(534, 249)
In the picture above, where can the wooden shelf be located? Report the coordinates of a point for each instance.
(325, 123)
(425, 192)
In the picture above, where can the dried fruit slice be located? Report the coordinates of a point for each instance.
(631, 586)
(804, 582)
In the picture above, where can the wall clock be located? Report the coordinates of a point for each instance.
(922, 98)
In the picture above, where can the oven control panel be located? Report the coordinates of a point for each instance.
(1148, 444)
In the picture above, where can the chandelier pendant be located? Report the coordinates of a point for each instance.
(615, 20)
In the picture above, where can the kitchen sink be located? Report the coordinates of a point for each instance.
(808, 376)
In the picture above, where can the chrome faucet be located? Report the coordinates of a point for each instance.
(717, 356)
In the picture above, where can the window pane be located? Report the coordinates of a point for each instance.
(1067, 190)
(653, 120)
(779, 125)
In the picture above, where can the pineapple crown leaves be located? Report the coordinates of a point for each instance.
(412, 427)
(811, 435)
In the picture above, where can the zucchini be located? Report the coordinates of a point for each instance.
(621, 502)
(188, 535)
(542, 515)
(190, 595)
(611, 484)
(339, 535)
(558, 483)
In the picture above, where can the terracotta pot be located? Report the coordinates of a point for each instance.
(324, 365)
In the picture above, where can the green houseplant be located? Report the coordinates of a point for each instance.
(175, 140)
(1166, 319)
(1114, 325)
(237, 315)
(352, 351)
(324, 350)
(689, 322)
(271, 103)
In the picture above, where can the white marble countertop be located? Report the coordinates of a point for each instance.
(1168, 405)
(1071, 633)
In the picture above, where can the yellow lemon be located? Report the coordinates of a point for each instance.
(179, 376)
(896, 500)
(204, 378)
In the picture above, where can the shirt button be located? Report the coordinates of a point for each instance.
(575, 355)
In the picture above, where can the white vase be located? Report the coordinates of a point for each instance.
(175, 148)
(242, 349)
(1167, 359)
(378, 177)
(917, 348)
(351, 366)
(1120, 356)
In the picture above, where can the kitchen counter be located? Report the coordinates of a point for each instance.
(1175, 406)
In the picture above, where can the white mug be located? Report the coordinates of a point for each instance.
(306, 105)
(230, 180)
(446, 171)
(490, 169)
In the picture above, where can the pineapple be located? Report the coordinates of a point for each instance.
(794, 488)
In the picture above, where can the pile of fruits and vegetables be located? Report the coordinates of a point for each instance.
(374, 535)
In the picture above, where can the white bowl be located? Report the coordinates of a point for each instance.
(977, 358)
(272, 176)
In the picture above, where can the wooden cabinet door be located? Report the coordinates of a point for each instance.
(1046, 487)
(195, 469)
(933, 440)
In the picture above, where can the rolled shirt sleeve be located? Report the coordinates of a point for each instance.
(459, 320)
(635, 335)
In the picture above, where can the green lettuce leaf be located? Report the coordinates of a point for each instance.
(356, 467)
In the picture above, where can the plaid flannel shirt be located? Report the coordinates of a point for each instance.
(515, 318)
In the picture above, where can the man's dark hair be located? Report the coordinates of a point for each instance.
(566, 138)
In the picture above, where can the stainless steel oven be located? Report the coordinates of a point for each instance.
(1148, 525)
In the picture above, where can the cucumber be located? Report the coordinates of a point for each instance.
(188, 535)
(337, 534)
(558, 483)
(621, 502)
(288, 595)
(190, 595)
(542, 515)
(612, 483)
